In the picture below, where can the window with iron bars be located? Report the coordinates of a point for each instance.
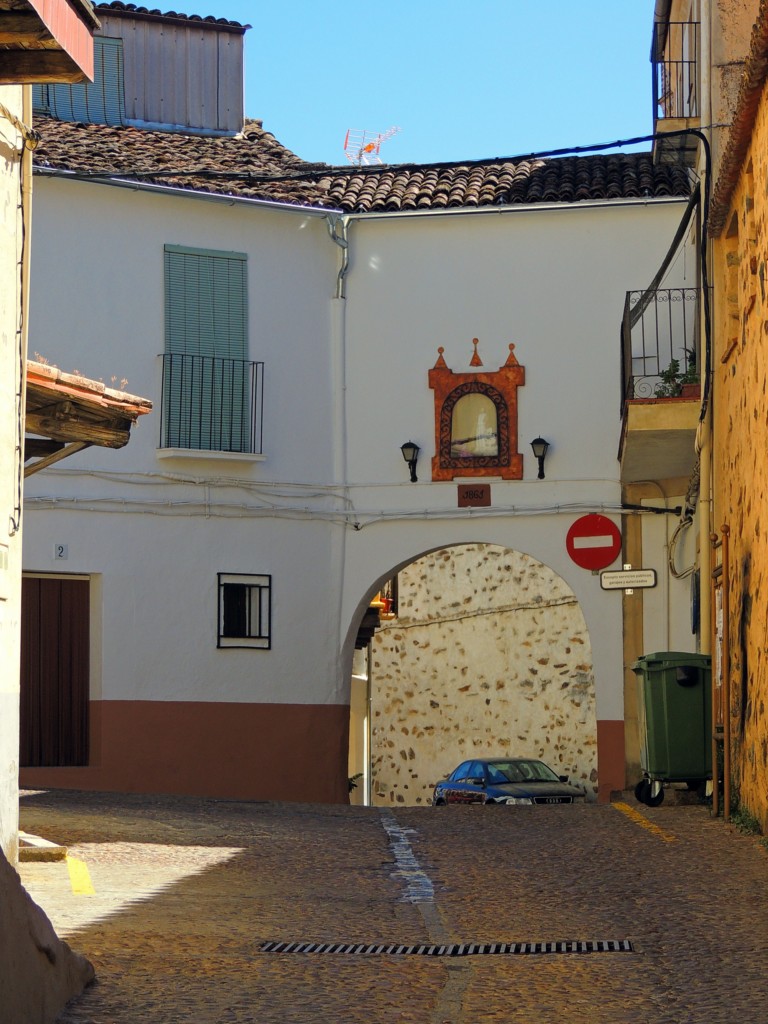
(245, 610)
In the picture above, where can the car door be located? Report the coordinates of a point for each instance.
(457, 784)
(476, 783)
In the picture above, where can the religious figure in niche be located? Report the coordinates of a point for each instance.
(474, 427)
(476, 419)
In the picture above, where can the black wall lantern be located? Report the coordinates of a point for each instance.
(540, 447)
(410, 454)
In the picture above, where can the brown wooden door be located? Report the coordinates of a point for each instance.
(54, 672)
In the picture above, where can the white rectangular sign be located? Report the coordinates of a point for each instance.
(628, 579)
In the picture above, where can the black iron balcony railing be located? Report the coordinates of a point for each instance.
(675, 60)
(211, 404)
(659, 342)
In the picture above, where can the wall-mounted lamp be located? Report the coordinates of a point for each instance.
(410, 454)
(540, 447)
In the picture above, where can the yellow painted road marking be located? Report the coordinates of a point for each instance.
(79, 877)
(643, 822)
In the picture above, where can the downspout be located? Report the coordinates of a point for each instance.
(338, 228)
(704, 447)
(704, 432)
(29, 141)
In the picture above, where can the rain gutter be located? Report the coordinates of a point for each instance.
(476, 211)
(169, 190)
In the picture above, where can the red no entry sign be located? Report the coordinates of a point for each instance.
(593, 542)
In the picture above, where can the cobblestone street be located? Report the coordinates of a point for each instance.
(174, 899)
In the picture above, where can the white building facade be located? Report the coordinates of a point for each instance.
(286, 329)
(326, 512)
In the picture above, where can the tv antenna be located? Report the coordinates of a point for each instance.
(363, 147)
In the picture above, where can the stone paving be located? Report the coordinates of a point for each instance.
(171, 899)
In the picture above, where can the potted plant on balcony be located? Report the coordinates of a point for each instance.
(677, 383)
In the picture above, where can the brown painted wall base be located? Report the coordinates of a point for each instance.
(239, 751)
(610, 759)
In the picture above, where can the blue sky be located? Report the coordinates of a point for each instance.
(462, 79)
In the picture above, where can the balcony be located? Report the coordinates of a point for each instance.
(211, 404)
(675, 54)
(660, 393)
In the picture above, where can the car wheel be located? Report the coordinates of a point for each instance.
(643, 791)
(439, 802)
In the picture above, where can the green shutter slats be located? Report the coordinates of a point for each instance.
(208, 382)
(99, 102)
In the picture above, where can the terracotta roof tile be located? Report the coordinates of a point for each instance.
(255, 165)
(132, 9)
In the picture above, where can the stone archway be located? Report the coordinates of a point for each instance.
(489, 654)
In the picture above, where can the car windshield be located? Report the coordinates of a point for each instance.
(500, 772)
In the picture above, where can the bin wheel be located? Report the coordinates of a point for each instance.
(643, 791)
(654, 801)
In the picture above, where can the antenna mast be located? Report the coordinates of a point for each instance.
(363, 147)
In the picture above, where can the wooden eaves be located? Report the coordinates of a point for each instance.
(46, 41)
(66, 413)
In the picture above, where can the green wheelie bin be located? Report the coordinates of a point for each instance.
(675, 719)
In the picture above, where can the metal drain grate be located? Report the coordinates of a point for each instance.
(463, 949)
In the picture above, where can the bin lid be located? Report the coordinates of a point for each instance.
(672, 658)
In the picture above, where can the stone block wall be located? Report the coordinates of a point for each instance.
(740, 362)
(489, 655)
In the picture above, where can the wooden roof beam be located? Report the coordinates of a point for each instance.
(63, 453)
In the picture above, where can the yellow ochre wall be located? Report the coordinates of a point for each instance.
(740, 469)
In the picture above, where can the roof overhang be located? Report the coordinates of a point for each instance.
(66, 413)
(46, 41)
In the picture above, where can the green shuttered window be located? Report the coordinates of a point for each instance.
(99, 102)
(207, 381)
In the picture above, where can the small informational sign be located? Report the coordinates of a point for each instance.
(593, 542)
(628, 579)
(474, 495)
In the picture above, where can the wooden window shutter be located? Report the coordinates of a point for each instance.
(99, 102)
(206, 392)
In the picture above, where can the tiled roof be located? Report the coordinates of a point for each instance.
(255, 165)
(504, 182)
(133, 9)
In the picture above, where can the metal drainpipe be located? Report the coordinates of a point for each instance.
(705, 448)
(338, 229)
(704, 434)
(26, 254)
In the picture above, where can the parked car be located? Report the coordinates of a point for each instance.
(502, 780)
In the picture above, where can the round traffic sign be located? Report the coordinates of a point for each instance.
(593, 542)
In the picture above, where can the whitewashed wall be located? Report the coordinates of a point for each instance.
(156, 531)
(345, 385)
(553, 282)
(10, 541)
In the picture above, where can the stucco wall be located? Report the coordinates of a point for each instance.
(329, 511)
(741, 466)
(10, 540)
(489, 655)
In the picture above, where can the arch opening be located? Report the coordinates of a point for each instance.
(488, 655)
